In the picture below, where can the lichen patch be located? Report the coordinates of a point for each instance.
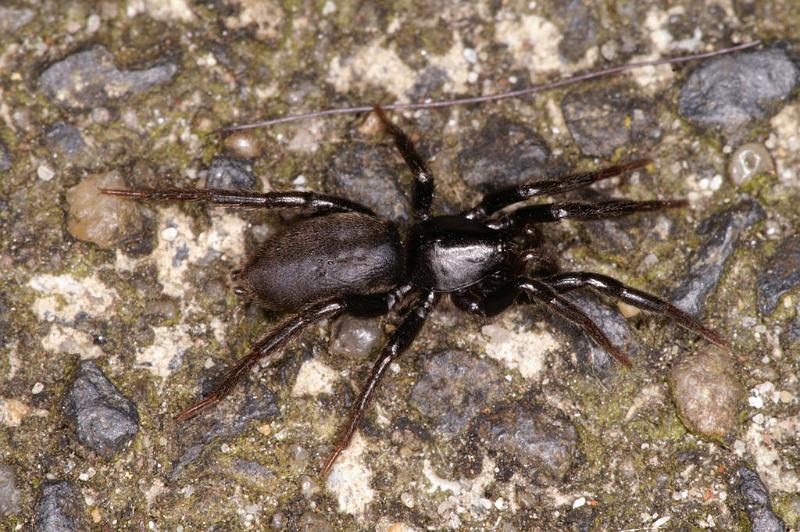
(64, 296)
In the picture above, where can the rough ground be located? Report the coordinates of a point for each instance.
(115, 315)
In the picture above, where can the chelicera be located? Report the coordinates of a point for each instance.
(348, 260)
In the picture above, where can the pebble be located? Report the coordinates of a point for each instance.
(243, 145)
(89, 78)
(363, 173)
(730, 91)
(603, 119)
(102, 219)
(13, 19)
(502, 153)
(780, 274)
(44, 172)
(755, 499)
(750, 160)
(721, 234)
(706, 393)
(453, 388)
(59, 507)
(580, 32)
(105, 420)
(536, 440)
(9, 493)
(355, 337)
(231, 174)
(67, 142)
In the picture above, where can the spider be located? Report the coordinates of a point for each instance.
(348, 260)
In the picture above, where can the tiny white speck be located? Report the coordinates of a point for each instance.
(661, 521)
(472, 77)
(756, 402)
(512, 79)
(501, 504)
(716, 182)
(300, 180)
(471, 55)
(580, 501)
(758, 419)
(329, 8)
(169, 234)
(225, 448)
(37, 388)
(45, 173)
(394, 367)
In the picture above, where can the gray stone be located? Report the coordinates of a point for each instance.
(230, 173)
(362, 173)
(707, 394)
(603, 119)
(503, 153)
(537, 441)
(5, 157)
(730, 91)
(12, 19)
(580, 32)
(453, 388)
(9, 493)
(105, 420)
(59, 508)
(755, 498)
(90, 78)
(722, 232)
(66, 141)
(780, 274)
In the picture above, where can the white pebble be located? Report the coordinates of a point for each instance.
(169, 234)
(37, 388)
(471, 55)
(45, 173)
(756, 402)
(580, 501)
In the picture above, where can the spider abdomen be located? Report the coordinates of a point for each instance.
(324, 257)
(448, 253)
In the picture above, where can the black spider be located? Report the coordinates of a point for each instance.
(350, 261)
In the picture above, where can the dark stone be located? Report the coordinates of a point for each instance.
(780, 274)
(722, 232)
(90, 78)
(503, 153)
(66, 140)
(230, 173)
(535, 440)
(360, 172)
(606, 315)
(5, 157)
(755, 498)
(9, 493)
(730, 91)
(580, 32)
(432, 79)
(105, 420)
(12, 19)
(606, 118)
(59, 508)
(453, 388)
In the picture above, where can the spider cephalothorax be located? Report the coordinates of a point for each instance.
(347, 260)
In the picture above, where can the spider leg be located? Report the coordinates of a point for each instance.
(487, 299)
(244, 198)
(423, 188)
(400, 340)
(360, 305)
(553, 212)
(494, 201)
(539, 291)
(609, 286)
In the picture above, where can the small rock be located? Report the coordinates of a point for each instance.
(5, 157)
(750, 160)
(730, 91)
(537, 441)
(453, 388)
(67, 142)
(60, 507)
(313, 522)
(106, 421)
(232, 174)
(243, 145)
(252, 472)
(722, 232)
(428, 82)
(99, 218)
(9, 493)
(12, 19)
(604, 119)
(707, 394)
(355, 337)
(580, 32)
(90, 78)
(780, 274)
(503, 153)
(755, 498)
(362, 173)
